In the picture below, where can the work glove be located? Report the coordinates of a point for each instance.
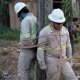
(42, 66)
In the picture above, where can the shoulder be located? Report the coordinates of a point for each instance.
(45, 30)
(65, 30)
(30, 18)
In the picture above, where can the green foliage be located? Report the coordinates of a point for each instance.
(78, 37)
(8, 34)
(4, 12)
(76, 9)
(67, 8)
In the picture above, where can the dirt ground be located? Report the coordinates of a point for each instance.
(9, 53)
(8, 59)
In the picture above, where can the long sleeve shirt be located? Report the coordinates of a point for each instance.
(54, 44)
(28, 30)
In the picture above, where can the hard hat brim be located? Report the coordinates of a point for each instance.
(19, 6)
(57, 21)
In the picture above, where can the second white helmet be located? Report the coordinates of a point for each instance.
(57, 16)
(19, 6)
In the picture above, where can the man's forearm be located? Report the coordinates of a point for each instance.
(40, 58)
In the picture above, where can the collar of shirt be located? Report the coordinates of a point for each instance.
(23, 15)
(53, 30)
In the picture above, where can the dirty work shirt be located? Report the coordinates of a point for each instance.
(28, 30)
(48, 54)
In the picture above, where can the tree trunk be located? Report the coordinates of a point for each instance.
(44, 7)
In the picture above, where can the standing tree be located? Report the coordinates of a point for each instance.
(4, 13)
(67, 8)
(44, 7)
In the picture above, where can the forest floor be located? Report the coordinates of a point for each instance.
(9, 53)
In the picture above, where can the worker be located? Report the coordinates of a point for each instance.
(74, 28)
(55, 53)
(26, 62)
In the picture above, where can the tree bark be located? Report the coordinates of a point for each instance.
(44, 7)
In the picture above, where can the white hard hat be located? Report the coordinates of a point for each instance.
(57, 16)
(19, 6)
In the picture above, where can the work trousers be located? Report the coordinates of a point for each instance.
(52, 68)
(26, 65)
(73, 47)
